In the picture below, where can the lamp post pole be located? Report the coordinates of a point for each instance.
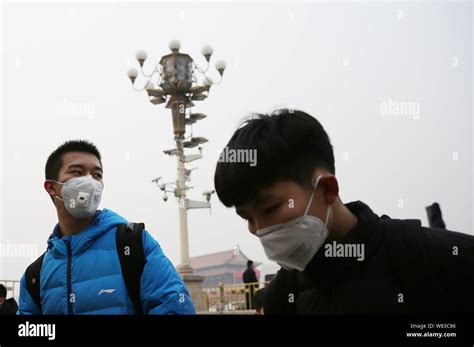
(185, 265)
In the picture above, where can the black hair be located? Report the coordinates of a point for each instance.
(3, 291)
(249, 263)
(55, 159)
(289, 145)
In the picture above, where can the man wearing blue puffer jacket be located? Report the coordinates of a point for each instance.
(82, 271)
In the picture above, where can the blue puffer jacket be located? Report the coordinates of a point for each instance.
(96, 281)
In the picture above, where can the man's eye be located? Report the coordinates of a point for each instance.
(271, 209)
(98, 175)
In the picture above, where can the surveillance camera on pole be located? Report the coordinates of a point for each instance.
(208, 194)
(170, 151)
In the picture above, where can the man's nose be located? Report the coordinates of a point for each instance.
(252, 229)
(257, 225)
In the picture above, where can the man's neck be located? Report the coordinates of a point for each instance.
(343, 221)
(70, 225)
(2, 301)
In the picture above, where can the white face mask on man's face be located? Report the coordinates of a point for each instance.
(293, 244)
(81, 195)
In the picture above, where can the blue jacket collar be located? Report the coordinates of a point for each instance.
(103, 221)
(57, 230)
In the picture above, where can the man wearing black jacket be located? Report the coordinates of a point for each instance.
(336, 258)
(249, 277)
(7, 306)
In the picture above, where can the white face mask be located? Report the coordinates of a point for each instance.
(294, 243)
(81, 195)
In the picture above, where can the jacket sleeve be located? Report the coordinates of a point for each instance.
(27, 305)
(162, 290)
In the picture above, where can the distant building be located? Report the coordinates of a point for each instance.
(226, 267)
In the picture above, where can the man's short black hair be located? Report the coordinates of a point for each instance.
(249, 263)
(55, 159)
(3, 291)
(289, 145)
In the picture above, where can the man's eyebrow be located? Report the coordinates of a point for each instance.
(263, 197)
(259, 200)
(80, 166)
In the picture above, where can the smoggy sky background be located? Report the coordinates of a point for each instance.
(341, 62)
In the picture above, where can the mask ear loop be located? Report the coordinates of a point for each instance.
(327, 215)
(311, 200)
(311, 197)
(57, 197)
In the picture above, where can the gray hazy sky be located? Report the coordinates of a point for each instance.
(390, 82)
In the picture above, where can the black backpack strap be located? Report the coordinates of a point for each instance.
(132, 259)
(408, 257)
(32, 280)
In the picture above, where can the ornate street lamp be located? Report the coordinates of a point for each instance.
(177, 85)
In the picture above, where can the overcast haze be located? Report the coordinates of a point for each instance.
(390, 82)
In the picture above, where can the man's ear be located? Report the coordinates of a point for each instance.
(49, 187)
(329, 185)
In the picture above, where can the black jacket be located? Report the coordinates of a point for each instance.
(9, 307)
(249, 276)
(407, 268)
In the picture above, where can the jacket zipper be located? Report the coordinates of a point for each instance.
(69, 285)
